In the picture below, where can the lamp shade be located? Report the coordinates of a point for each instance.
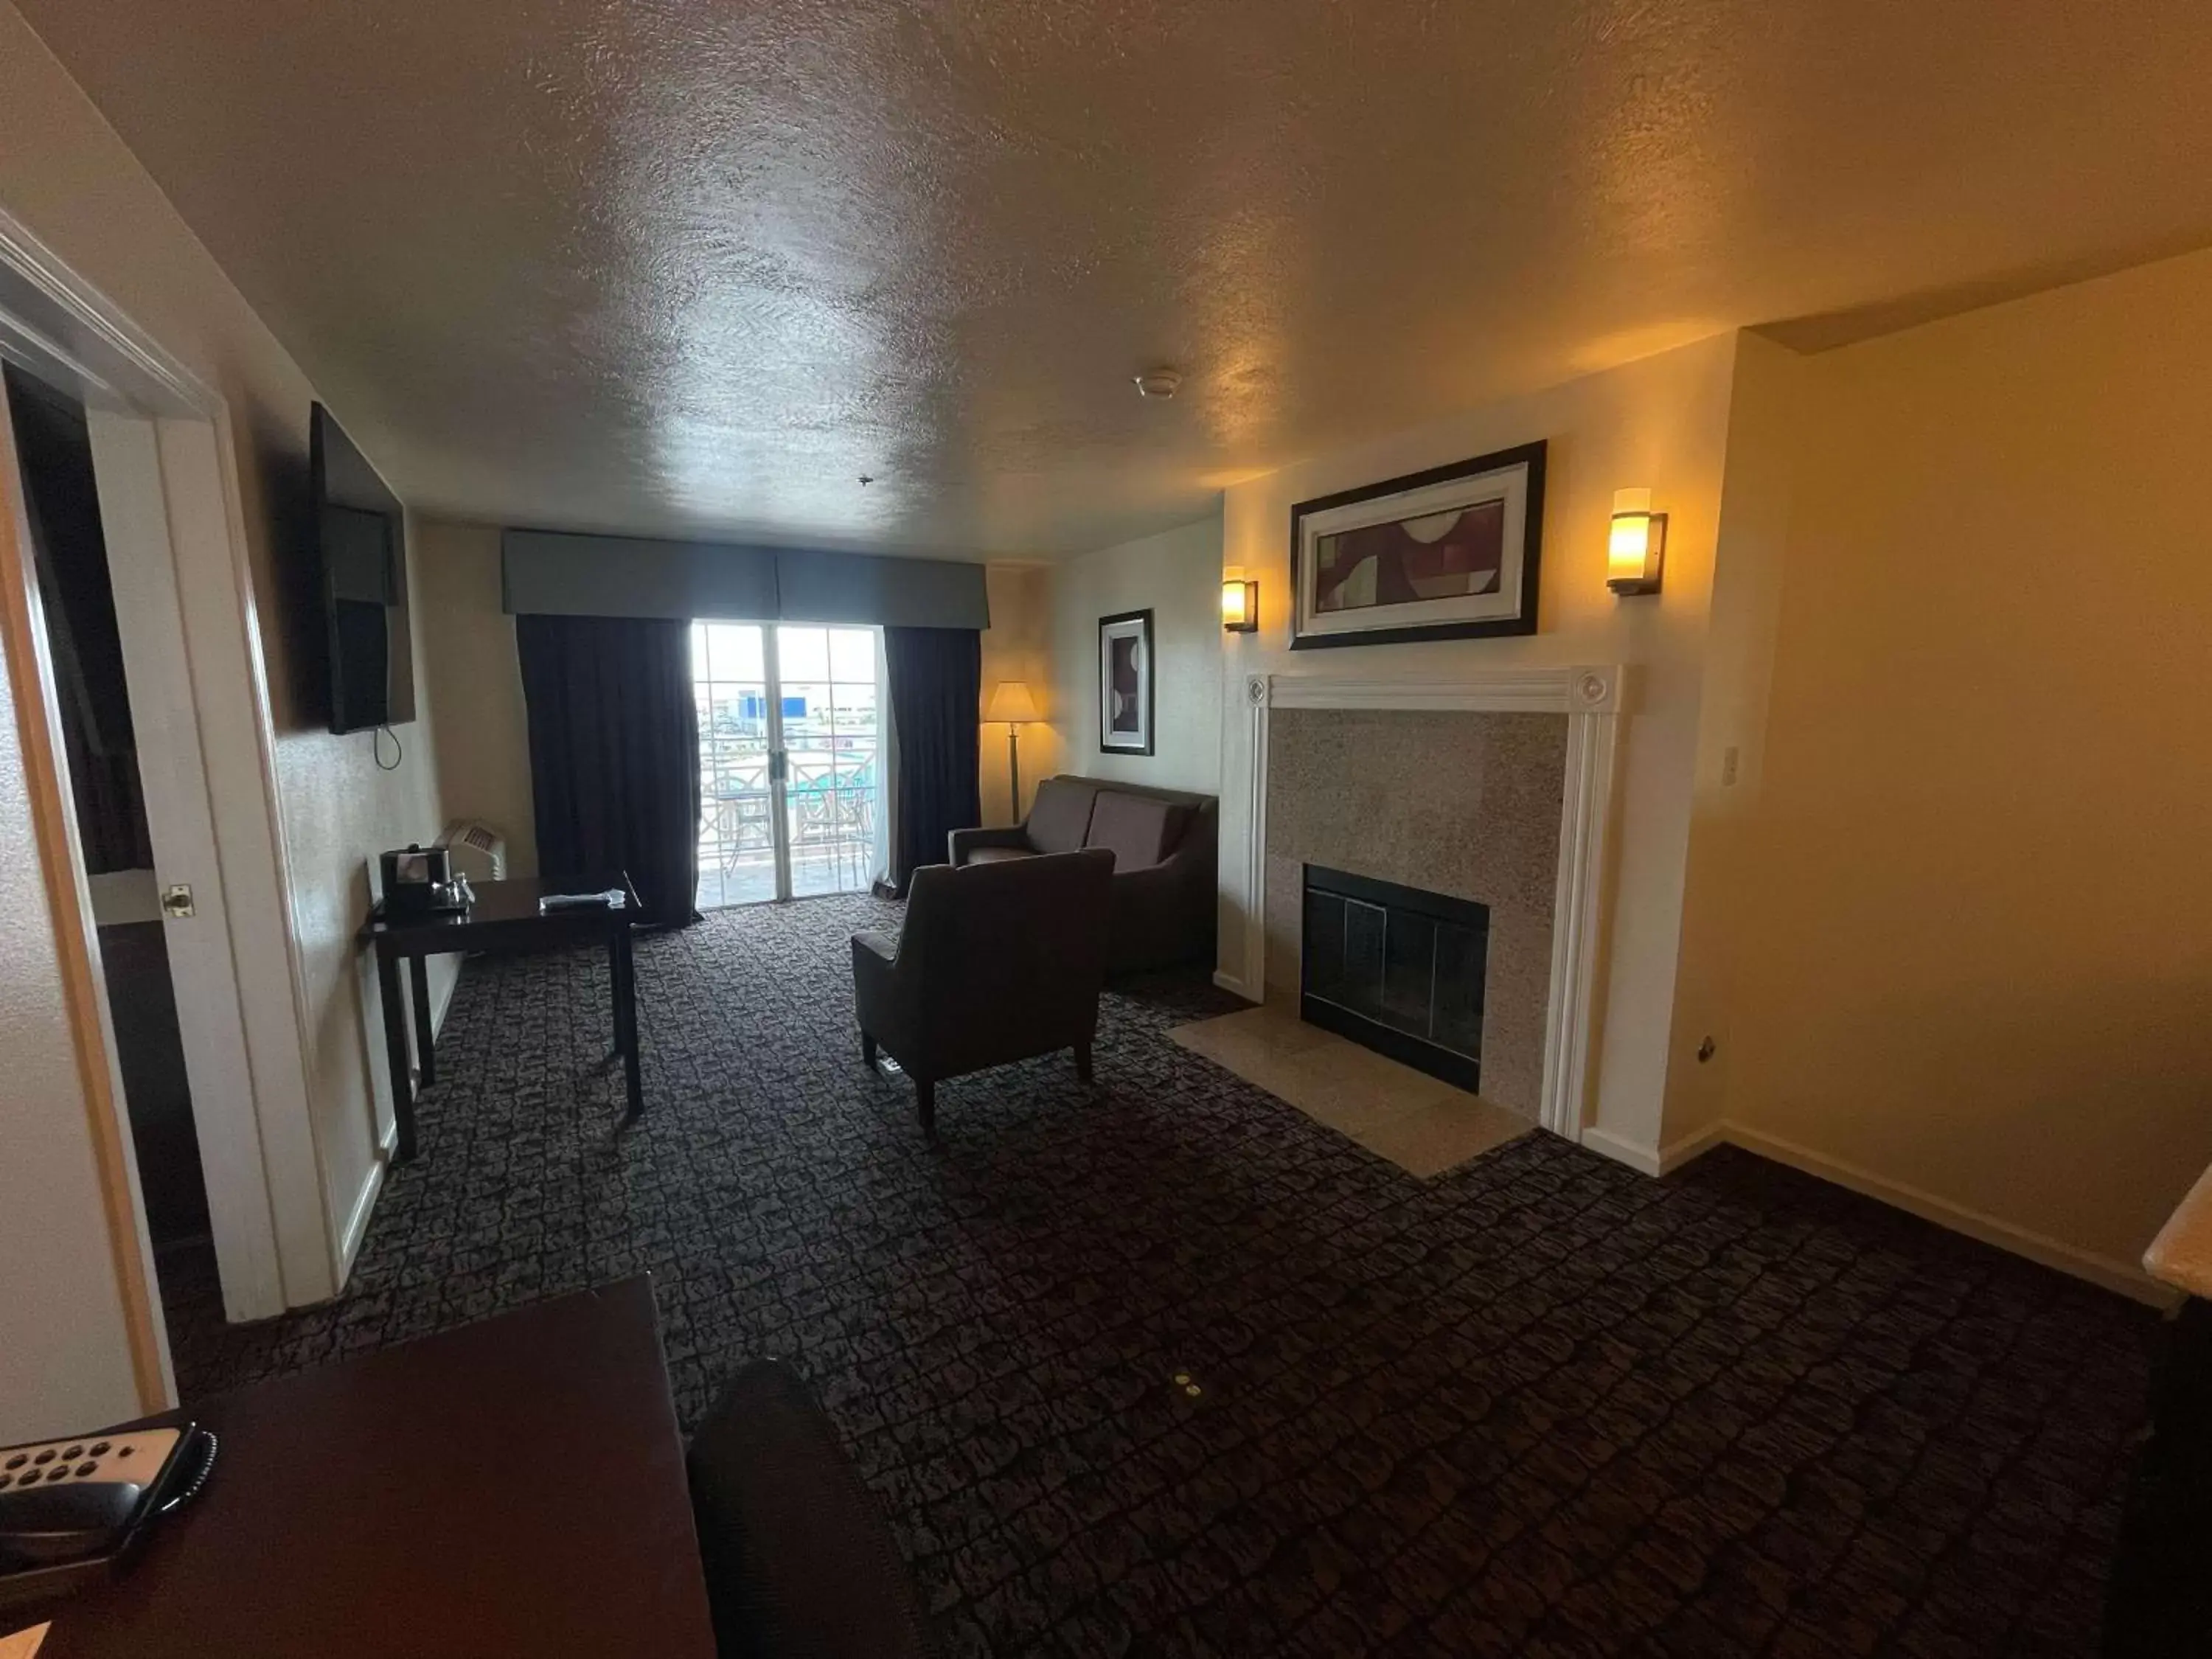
(1011, 701)
(1637, 546)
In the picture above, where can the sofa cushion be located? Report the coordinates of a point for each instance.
(1060, 814)
(998, 854)
(1139, 832)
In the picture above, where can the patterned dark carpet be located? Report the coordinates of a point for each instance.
(1540, 1407)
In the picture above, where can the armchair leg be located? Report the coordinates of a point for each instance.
(1083, 1062)
(925, 1100)
(868, 1051)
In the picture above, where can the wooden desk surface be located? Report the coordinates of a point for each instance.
(513, 1488)
(504, 917)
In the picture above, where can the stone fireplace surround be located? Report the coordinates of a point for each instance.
(1548, 780)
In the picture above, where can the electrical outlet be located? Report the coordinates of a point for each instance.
(1727, 768)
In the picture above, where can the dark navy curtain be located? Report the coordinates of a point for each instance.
(936, 677)
(614, 756)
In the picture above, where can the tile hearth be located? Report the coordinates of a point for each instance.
(1424, 1126)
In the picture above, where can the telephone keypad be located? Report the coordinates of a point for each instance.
(134, 1460)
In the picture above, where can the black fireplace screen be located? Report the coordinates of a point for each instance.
(1398, 970)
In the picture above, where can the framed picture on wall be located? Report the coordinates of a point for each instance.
(1448, 554)
(1125, 684)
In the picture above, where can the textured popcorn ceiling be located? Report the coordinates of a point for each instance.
(661, 265)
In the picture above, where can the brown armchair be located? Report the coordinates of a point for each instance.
(996, 963)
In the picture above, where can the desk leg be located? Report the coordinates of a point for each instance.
(624, 972)
(395, 1055)
(418, 984)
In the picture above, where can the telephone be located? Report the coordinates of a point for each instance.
(72, 1510)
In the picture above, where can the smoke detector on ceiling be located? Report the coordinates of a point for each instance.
(1158, 383)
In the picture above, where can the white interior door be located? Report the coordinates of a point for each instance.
(167, 476)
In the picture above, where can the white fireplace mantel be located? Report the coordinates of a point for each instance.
(1590, 697)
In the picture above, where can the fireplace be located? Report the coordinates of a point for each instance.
(1397, 970)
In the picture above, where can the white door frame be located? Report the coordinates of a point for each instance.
(779, 783)
(166, 467)
(779, 763)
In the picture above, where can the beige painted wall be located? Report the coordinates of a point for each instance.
(1017, 646)
(65, 174)
(1176, 574)
(1977, 945)
(474, 679)
(1661, 422)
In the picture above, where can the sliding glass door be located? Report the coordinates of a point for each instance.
(790, 760)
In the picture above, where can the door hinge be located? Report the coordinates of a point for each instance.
(177, 901)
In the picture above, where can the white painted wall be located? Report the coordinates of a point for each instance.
(1975, 923)
(1661, 422)
(1177, 576)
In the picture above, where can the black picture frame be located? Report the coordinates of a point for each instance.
(1122, 625)
(1529, 456)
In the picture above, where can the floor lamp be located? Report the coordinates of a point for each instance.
(1011, 701)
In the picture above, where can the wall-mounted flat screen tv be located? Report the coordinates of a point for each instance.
(362, 535)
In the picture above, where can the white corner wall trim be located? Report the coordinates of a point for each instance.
(1233, 985)
(364, 1206)
(1590, 696)
(1653, 1161)
(372, 1184)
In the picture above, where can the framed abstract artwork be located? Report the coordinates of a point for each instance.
(1125, 684)
(1448, 554)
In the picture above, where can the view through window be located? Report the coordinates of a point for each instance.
(790, 760)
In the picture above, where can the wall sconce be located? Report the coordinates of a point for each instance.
(1240, 605)
(1638, 545)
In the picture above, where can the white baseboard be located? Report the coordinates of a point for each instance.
(1644, 1160)
(2121, 1276)
(1229, 983)
(371, 1186)
(364, 1204)
(1648, 1160)
(440, 1004)
(2126, 1278)
(1675, 1153)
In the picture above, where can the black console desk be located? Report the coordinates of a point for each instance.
(504, 918)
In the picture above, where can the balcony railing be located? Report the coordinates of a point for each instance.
(832, 829)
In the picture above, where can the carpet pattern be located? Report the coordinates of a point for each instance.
(1540, 1406)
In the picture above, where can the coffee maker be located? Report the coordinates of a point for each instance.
(419, 881)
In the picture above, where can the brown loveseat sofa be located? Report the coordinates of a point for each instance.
(1163, 842)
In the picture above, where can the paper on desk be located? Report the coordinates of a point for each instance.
(24, 1644)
